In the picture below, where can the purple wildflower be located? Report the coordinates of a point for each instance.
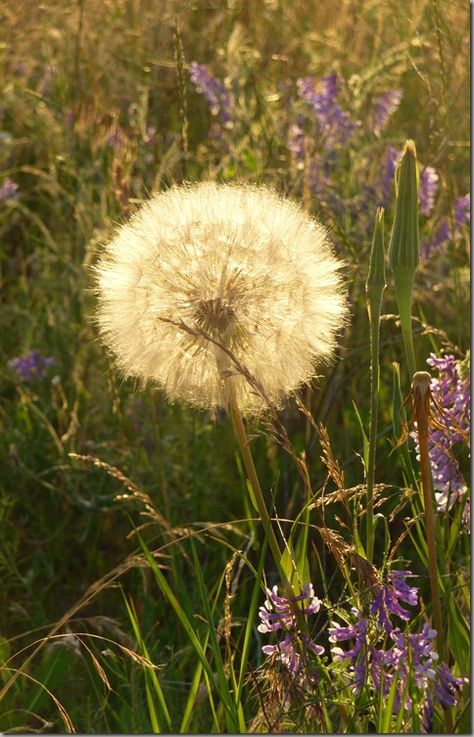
(283, 614)
(385, 107)
(446, 686)
(297, 143)
(8, 190)
(428, 189)
(427, 715)
(32, 366)
(462, 207)
(452, 394)
(278, 613)
(357, 655)
(390, 166)
(220, 100)
(388, 596)
(443, 234)
(114, 138)
(437, 241)
(334, 123)
(289, 652)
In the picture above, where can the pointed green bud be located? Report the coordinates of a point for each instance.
(405, 244)
(404, 247)
(375, 283)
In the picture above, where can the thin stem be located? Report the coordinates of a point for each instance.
(242, 439)
(374, 408)
(421, 405)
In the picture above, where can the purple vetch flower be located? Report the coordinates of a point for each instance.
(356, 656)
(297, 143)
(446, 686)
(462, 210)
(221, 102)
(8, 190)
(384, 108)
(378, 654)
(150, 135)
(291, 653)
(389, 168)
(278, 613)
(427, 715)
(436, 242)
(283, 615)
(31, 366)
(443, 234)
(427, 190)
(387, 597)
(114, 138)
(451, 391)
(335, 124)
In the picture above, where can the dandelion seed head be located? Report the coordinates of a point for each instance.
(204, 266)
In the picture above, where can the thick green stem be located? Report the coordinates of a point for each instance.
(404, 291)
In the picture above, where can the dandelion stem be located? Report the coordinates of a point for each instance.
(421, 405)
(242, 439)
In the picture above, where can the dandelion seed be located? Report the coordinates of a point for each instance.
(204, 270)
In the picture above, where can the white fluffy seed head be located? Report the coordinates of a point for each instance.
(237, 263)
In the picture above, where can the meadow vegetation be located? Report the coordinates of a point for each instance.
(133, 561)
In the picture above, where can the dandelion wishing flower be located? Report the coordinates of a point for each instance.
(209, 277)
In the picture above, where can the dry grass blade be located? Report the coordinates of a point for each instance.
(69, 726)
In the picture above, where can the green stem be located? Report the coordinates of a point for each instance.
(242, 439)
(404, 292)
(374, 317)
(421, 404)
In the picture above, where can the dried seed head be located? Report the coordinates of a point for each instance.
(236, 264)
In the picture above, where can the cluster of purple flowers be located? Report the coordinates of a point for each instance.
(31, 366)
(279, 613)
(451, 392)
(439, 239)
(297, 142)
(8, 190)
(221, 102)
(335, 124)
(380, 651)
(384, 108)
(428, 190)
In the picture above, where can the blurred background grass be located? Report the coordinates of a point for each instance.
(91, 121)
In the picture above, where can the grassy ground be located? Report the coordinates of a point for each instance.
(98, 110)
